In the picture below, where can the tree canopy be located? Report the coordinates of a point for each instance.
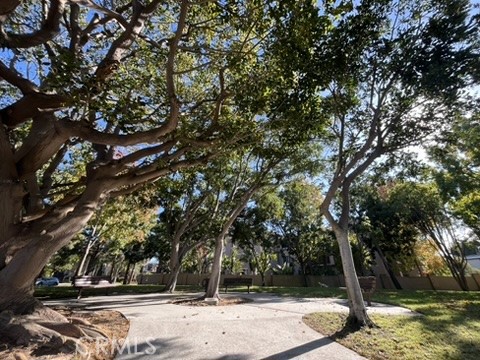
(101, 98)
(457, 172)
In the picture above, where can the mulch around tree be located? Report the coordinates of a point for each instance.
(226, 301)
(111, 323)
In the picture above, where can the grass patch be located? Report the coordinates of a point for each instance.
(302, 292)
(449, 328)
(65, 292)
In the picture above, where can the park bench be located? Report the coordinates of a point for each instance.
(238, 281)
(367, 284)
(91, 282)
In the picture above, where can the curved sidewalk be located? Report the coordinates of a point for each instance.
(270, 327)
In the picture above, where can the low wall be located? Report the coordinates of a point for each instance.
(414, 283)
(383, 281)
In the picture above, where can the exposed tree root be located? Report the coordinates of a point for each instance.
(352, 324)
(48, 332)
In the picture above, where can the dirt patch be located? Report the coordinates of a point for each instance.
(231, 300)
(112, 324)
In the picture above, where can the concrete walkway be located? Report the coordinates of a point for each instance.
(270, 328)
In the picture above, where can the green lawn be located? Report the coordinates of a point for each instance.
(63, 292)
(302, 291)
(448, 329)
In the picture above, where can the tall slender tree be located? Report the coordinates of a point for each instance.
(401, 69)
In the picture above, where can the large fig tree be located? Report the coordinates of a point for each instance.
(134, 89)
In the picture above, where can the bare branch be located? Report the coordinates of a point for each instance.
(132, 179)
(122, 44)
(31, 105)
(170, 66)
(109, 13)
(47, 179)
(48, 31)
(74, 29)
(145, 152)
(83, 130)
(14, 78)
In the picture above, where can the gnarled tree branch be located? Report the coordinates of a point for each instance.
(48, 31)
(15, 79)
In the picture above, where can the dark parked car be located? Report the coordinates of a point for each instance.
(52, 281)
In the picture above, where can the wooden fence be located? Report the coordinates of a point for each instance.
(383, 281)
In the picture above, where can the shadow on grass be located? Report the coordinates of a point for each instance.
(449, 329)
(456, 324)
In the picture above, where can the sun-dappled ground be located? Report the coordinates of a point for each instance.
(448, 329)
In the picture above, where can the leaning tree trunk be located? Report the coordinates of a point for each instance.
(358, 313)
(83, 264)
(214, 282)
(389, 269)
(173, 278)
(132, 274)
(113, 270)
(127, 272)
(457, 268)
(25, 253)
(262, 276)
(357, 316)
(457, 271)
(175, 265)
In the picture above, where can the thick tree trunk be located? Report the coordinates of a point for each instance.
(11, 198)
(127, 272)
(176, 258)
(114, 270)
(262, 276)
(303, 268)
(172, 279)
(358, 313)
(175, 265)
(214, 282)
(35, 247)
(18, 276)
(91, 267)
(132, 274)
